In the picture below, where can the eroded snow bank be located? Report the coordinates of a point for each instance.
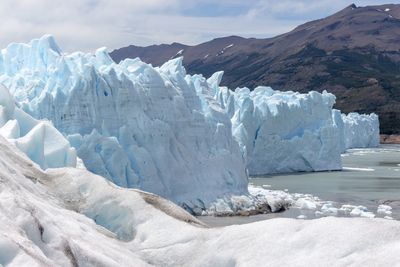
(71, 217)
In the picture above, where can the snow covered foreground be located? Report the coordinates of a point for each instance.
(71, 217)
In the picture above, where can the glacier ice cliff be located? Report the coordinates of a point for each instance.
(39, 140)
(288, 131)
(282, 131)
(136, 125)
(180, 136)
(360, 130)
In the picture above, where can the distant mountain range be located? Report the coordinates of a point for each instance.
(354, 53)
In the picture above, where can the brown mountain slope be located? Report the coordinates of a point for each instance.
(354, 54)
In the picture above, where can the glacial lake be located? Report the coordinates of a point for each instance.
(370, 177)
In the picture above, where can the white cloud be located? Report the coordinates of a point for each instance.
(88, 24)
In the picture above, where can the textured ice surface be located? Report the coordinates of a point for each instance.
(137, 125)
(71, 217)
(361, 130)
(288, 131)
(39, 140)
(283, 131)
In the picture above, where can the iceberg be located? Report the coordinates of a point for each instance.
(39, 140)
(137, 125)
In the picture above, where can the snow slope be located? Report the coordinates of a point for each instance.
(282, 131)
(361, 130)
(139, 126)
(71, 217)
(38, 139)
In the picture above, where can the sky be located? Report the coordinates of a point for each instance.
(85, 25)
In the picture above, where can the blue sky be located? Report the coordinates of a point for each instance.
(88, 24)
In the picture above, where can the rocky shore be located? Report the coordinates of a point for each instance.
(390, 138)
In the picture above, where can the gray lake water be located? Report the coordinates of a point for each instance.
(370, 177)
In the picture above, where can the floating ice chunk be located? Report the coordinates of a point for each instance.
(361, 211)
(328, 209)
(305, 204)
(301, 217)
(384, 210)
(367, 214)
(276, 199)
(358, 169)
(346, 209)
(356, 212)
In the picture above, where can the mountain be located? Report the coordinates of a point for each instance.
(354, 54)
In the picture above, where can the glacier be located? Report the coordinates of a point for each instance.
(360, 130)
(72, 217)
(39, 140)
(282, 131)
(183, 137)
(139, 126)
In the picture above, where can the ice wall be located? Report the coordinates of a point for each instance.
(338, 120)
(288, 131)
(137, 125)
(282, 131)
(39, 140)
(173, 134)
(360, 130)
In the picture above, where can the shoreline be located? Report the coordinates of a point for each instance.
(390, 138)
